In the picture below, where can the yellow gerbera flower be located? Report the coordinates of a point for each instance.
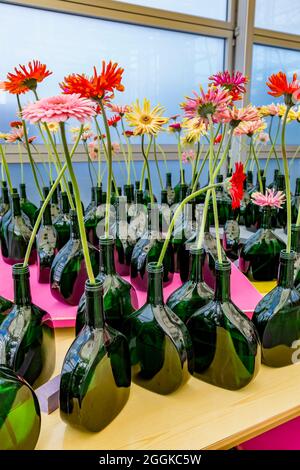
(292, 116)
(3, 135)
(76, 130)
(146, 120)
(194, 129)
(52, 126)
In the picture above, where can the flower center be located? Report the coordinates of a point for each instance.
(205, 109)
(30, 83)
(146, 119)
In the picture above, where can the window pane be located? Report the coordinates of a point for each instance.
(278, 15)
(216, 10)
(268, 60)
(161, 65)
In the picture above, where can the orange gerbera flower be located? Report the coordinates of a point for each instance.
(99, 86)
(25, 78)
(279, 86)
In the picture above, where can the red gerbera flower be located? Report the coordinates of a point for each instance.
(279, 86)
(128, 133)
(113, 121)
(234, 83)
(25, 78)
(218, 139)
(99, 86)
(16, 124)
(237, 185)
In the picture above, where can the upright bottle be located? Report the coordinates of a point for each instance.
(249, 180)
(95, 377)
(226, 344)
(296, 201)
(273, 184)
(177, 187)
(92, 219)
(160, 346)
(68, 271)
(55, 208)
(4, 205)
(20, 416)
(170, 190)
(93, 199)
(259, 257)
(27, 342)
(15, 235)
(27, 206)
(46, 245)
(62, 223)
(277, 318)
(124, 244)
(194, 293)
(231, 235)
(295, 246)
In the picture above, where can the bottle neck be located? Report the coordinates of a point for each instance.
(16, 208)
(168, 180)
(297, 189)
(121, 208)
(222, 287)
(22, 294)
(155, 288)
(46, 191)
(266, 218)
(286, 270)
(75, 235)
(23, 191)
(182, 192)
(65, 203)
(139, 197)
(128, 193)
(295, 245)
(54, 198)
(93, 194)
(5, 198)
(164, 196)
(107, 262)
(146, 184)
(47, 215)
(249, 177)
(71, 188)
(196, 264)
(98, 196)
(94, 311)
(153, 218)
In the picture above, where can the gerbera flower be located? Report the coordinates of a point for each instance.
(268, 110)
(3, 135)
(15, 136)
(25, 78)
(31, 139)
(146, 120)
(236, 189)
(93, 150)
(119, 109)
(280, 86)
(113, 121)
(212, 103)
(234, 83)
(236, 115)
(174, 127)
(292, 115)
(250, 127)
(263, 137)
(128, 133)
(194, 129)
(59, 109)
(99, 86)
(52, 126)
(218, 139)
(16, 124)
(188, 156)
(272, 198)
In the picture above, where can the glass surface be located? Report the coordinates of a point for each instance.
(216, 10)
(162, 65)
(266, 61)
(278, 15)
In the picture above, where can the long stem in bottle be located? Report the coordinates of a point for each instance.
(148, 168)
(180, 158)
(273, 144)
(164, 156)
(145, 163)
(109, 172)
(287, 182)
(261, 189)
(106, 154)
(216, 219)
(21, 162)
(6, 169)
(156, 163)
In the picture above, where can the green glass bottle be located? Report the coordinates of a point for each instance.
(93, 199)
(55, 207)
(194, 293)
(147, 199)
(280, 214)
(148, 249)
(129, 194)
(96, 376)
(277, 318)
(249, 180)
(226, 344)
(273, 184)
(62, 223)
(71, 189)
(68, 271)
(4, 205)
(295, 246)
(177, 186)
(92, 219)
(295, 201)
(160, 346)
(27, 206)
(123, 244)
(170, 190)
(231, 235)
(259, 257)
(181, 235)
(15, 235)
(164, 212)
(244, 211)
(120, 298)
(20, 416)
(5, 307)
(27, 341)
(46, 245)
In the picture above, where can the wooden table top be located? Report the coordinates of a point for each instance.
(197, 416)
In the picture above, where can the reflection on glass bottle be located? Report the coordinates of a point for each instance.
(194, 293)
(92, 218)
(27, 206)
(124, 244)
(55, 208)
(5, 307)
(147, 199)
(27, 343)
(120, 298)
(231, 235)
(62, 223)
(95, 377)
(295, 246)
(68, 272)
(4, 205)
(20, 416)
(259, 257)
(226, 343)
(177, 186)
(147, 250)
(160, 346)
(15, 235)
(277, 318)
(170, 190)
(46, 244)
(223, 204)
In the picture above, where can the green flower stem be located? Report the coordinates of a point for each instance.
(129, 151)
(203, 220)
(29, 151)
(221, 143)
(287, 182)
(295, 155)
(200, 170)
(145, 164)
(125, 157)
(273, 144)
(195, 166)
(50, 157)
(106, 154)
(82, 232)
(216, 217)
(156, 163)
(21, 162)
(145, 155)
(109, 172)
(99, 163)
(176, 215)
(180, 159)
(163, 155)
(6, 169)
(43, 162)
(261, 189)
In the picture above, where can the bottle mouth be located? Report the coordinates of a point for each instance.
(20, 270)
(225, 266)
(96, 286)
(284, 255)
(153, 268)
(194, 250)
(106, 240)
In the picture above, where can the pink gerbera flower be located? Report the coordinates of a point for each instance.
(15, 136)
(175, 127)
(234, 83)
(120, 109)
(93, 150)
(213, 103)
(59, 109)
(272, 198)
(188, 156)
(249, 127)
(236, 115)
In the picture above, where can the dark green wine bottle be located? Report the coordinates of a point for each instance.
(62, 223)
(27, 206)
(27, 342)
(68, 271)
(259, 257)
(295, 201)
(92, 219)
(194, 293)
(177, 186)
(231, 236)
(249, 180)
(160, 346)
(55, 207)
(295, 246)
(4, 205)
(226, 343)
(46, 245)
(5, 307)
(120, 298)
(277, 318)
(170, 190)
(147, 199)
(273, 184)
(280, 215)
(124, 244)
(93, 199)
(96, 376)
(20, 416)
